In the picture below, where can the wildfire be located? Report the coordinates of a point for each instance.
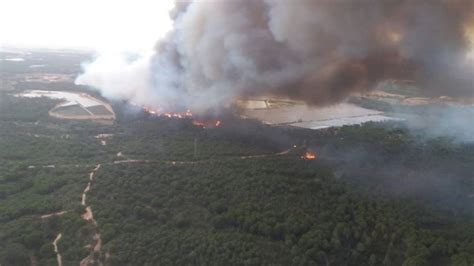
(309, 155)
(198, 123)
(207, 123)
(157, 112)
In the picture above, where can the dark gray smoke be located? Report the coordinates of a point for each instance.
(319, 51)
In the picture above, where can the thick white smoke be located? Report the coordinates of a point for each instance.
(315, 50)
(120, 79)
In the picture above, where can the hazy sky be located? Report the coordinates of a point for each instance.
(97, 24)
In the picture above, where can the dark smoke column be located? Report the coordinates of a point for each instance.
(316, 51)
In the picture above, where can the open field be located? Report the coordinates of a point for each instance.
(312, 117)
(76, 106)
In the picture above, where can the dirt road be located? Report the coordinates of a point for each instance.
(89, 217)
(56, 250)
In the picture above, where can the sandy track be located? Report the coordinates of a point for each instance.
(88, 214)
(145, 161)
(89, 217)
(46, 216)
(56, 250)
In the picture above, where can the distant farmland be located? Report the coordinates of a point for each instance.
(75, 106)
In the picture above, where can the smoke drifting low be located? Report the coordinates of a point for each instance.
(319, 51)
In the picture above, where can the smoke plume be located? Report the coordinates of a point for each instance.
(319, 51)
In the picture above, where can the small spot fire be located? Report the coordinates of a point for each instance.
(309, 156)
(303, 152)
(207, 123)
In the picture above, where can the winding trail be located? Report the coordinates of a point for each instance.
(46, 216)
(146, 161)
(245, 157)
(56, 240)
(88, 188)
(88, 216)
(56, 250)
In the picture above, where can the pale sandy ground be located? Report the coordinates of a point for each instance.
(89, 217)
(53, 214)
(56, 250)
(301, 115)
(83, 100)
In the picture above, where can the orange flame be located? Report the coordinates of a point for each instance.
(207, 123)
(157, 112)
(309, 155)
(198, 123)
(210, 123)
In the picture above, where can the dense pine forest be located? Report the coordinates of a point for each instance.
(377, 195)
